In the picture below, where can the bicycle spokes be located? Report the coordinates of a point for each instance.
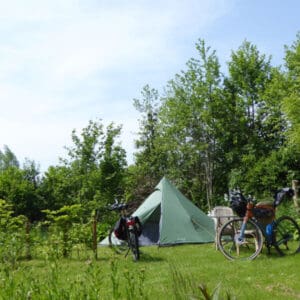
(286, 233)
(236, 246)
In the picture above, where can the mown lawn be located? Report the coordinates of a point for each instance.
(162, 273)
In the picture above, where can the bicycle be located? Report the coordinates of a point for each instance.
(243, 236)
(124, 236)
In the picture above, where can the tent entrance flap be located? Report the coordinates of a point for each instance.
(150, 233)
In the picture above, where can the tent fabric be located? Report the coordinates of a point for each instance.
(169, 218)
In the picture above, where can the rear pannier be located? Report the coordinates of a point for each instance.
(120, 229)
(264, 213)
(138, 226)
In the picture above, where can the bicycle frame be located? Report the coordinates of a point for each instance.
(249, 215)
(243, 237)
(131, 229)
(129, 220)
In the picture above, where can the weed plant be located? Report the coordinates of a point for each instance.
(182, 272)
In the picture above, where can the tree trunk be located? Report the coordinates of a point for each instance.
(296, 186)
(209, 180)
(27, 239)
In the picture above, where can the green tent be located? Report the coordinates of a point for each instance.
(169, 218)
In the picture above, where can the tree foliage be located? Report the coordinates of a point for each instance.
(291, 101)
(189, 122)
(92, 174)
(17, 190)
(214, 131)
(149, 163)
(8, 159)
(207, 132)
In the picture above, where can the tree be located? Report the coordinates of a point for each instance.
(249, 73)
(149, 165)
(58, 187)
(21, 193)
(8, 159)
(31, 172)
(19, 186)
(61, 222)
(112, 166)
(291, 103)
(256, 88)
(87, 148)
(12, 234)
(189, 121)
(93, 172)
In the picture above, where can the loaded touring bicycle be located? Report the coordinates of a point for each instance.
(243, 236)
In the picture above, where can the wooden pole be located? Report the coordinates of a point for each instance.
(296, 188)
(94, 228)
(27, 235)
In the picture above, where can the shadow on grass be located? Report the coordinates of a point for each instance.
(146, 257)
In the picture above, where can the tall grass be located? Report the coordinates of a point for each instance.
(42, 264)
(182, 272)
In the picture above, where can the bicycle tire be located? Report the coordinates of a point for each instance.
(134, 245)
(115, 244)
(249, 249)
(286, 236)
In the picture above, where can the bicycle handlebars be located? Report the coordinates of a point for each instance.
(118, 206)
(278, 197)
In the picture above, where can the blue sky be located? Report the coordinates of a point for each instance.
(63, 63)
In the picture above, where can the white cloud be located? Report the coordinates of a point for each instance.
(65, 62)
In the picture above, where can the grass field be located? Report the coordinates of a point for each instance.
(162, 273)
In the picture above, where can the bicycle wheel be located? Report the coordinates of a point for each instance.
(117, 245)
(134, 245)
(287, 236)
(233, 249)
